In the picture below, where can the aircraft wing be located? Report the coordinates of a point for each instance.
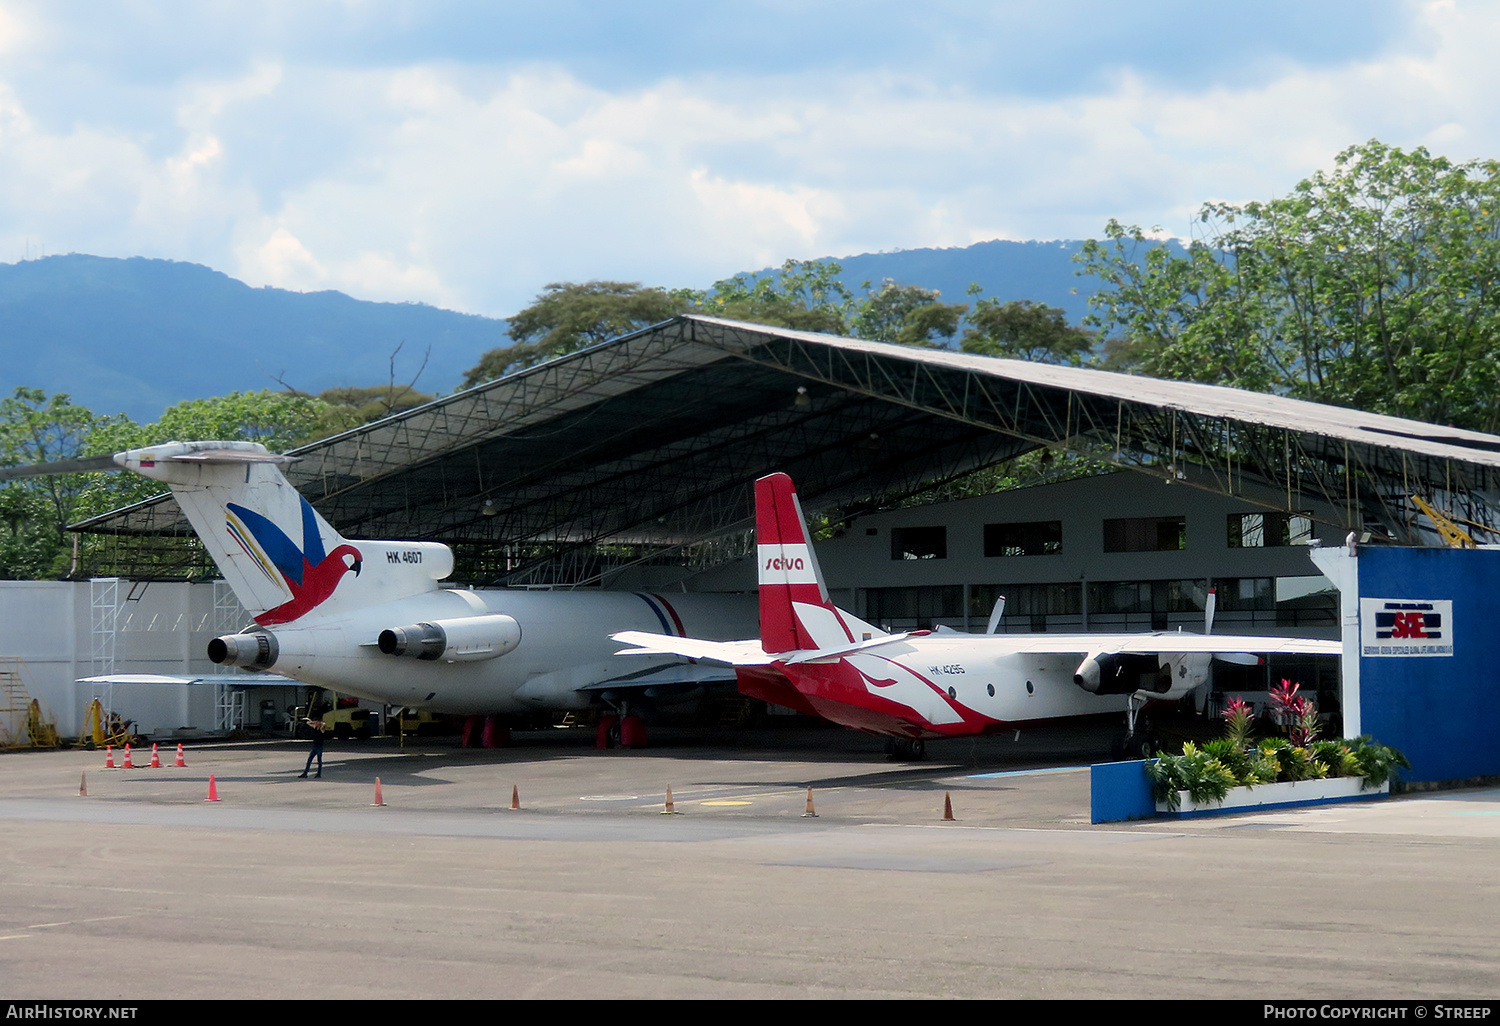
(1161, 643)
(685, 675)
(249, 680)
(735, 653)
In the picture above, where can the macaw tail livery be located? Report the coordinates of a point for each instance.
(281, 558)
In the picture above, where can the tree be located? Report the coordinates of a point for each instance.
(38, 428)
(1023, 330)
(804, 295)
(1372, 286)
(348, 408)
(907, 315)
(569, 316)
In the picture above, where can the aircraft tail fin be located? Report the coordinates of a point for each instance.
(282, 559)
(796, 613)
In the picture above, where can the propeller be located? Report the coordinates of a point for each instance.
(995, 615)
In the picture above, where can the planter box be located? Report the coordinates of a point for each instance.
(1281, 796)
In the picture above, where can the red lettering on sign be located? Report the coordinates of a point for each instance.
(1408, 625)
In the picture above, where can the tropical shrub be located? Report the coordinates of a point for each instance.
(1236, 760)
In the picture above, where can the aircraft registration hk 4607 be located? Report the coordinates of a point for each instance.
(368, 618)
(921, 685)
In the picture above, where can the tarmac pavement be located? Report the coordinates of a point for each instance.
(292, 888)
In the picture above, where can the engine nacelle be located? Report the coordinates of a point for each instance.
(1123, 673)
(253, 651)
(462, 640)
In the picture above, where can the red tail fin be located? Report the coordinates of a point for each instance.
(795, 611)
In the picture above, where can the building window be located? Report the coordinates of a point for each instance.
(1286, 601)
(1147, 596)
(1042, 538)
(1270, 530)
(1033, 600)
(1145, 534)
(919, 543)
(914, 605)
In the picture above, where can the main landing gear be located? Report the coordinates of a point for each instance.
(1139, 741)
(627, 731)
(905, 749)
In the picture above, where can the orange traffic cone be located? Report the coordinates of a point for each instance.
(109, 757)
(809, 814)
(180, 760)
(948, 808)
(515, 797)
(83, 786)
(155, 758)
(379, 801)
(127, 763)
(669, 810)
(213, 792)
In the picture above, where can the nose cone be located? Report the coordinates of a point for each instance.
(1087, 675)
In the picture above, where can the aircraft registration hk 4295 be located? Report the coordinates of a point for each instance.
(921, 685)
(368, 618)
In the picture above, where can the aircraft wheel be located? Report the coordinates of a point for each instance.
(906, 749)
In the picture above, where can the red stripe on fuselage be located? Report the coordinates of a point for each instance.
(844, 684)
(681, 630)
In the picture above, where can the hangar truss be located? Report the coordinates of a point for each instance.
(643, 449)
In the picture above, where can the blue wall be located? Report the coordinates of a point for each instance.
(1442, 712)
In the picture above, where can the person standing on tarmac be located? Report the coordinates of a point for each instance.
(319, 732)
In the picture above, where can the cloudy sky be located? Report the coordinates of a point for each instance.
(466, 153)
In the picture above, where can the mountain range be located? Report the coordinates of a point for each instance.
(136, 335)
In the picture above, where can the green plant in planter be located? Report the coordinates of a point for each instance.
(1208, 773)
(1336, 755)
(1299, 763)
(1376, 761)
(1204, 777)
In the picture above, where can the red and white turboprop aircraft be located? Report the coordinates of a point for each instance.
(920, 685)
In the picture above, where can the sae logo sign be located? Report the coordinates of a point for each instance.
(1405, 627)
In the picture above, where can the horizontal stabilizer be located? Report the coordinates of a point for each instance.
(840, 651)
(735, 653)
(82, 465)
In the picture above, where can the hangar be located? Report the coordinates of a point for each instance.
(639, 452)
(629, 464)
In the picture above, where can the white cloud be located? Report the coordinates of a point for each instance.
(473, 185)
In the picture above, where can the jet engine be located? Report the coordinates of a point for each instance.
(1123, 673)
(468, 639)
(253, 651)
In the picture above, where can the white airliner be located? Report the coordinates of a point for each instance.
(915, 686)
(368, 618)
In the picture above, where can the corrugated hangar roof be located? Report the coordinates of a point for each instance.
(653, 439)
